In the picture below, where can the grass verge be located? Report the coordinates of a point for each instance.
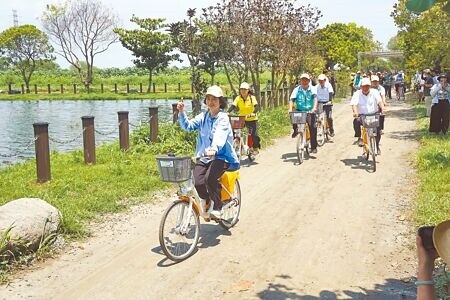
(433, 193)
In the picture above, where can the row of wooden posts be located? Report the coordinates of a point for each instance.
(115, 90)
(41, 136)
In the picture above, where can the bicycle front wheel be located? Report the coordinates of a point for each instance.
(301, 141)
(321, 134)
(237, 147)
(372, 152)
(179, 231)
(233, 207)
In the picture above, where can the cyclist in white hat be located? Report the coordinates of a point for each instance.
(246, 105)
(214, 150)
(305, 98)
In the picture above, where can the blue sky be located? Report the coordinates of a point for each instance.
(370, 14)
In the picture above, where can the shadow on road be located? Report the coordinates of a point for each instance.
(391, 289)
(292, 158)
(209, 235)
(358, 164)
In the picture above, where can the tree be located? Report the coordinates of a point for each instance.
(340, 43)
(25, 48)
(150, 46)
(260, 33)
(423, 37)
(186, 36)
(81, 30)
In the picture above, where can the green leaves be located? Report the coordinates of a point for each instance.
(149, 45)
(342, 42)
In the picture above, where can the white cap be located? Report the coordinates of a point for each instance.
(304, 75)
(322, 77)
(215, 91)
(245, 86)
(375, 78)
(365, 81)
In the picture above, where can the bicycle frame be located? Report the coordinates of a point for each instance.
(188, 193)
(368, 135)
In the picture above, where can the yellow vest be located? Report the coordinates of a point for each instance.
(246, 107)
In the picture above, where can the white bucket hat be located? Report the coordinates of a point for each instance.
(365, 81)
(304, 75)
(244, 86)
(322, 77)
(215, 91)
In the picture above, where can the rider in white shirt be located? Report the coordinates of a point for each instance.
(365, 101)
(325, 94)
(375, 85)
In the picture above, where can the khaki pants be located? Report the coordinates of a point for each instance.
(428, 105)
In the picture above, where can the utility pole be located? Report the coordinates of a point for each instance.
(15, 18)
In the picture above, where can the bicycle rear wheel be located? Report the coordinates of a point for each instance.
(372, 152)
(233, 207)
(178, 235)
(301, 147)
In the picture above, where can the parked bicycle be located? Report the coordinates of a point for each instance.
(303, 145)
(242, 143)
(179, 230)
(370, 122)
(323, 127)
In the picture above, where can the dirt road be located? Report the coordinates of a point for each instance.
(326, 229)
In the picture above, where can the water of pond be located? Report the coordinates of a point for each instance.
(65, 127)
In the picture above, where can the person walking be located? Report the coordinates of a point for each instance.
(439, 117)
(428, 84)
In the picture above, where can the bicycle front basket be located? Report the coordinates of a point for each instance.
(174, 169)
(371, 121)
(298, 117)
(237, 122)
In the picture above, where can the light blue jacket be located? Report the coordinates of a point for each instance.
(214, 133)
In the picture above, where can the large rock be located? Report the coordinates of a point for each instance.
(31, 219)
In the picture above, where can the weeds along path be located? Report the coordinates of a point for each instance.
(325, 229)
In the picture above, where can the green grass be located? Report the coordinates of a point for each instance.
(97, 96)
(83, 192)
(433, 165)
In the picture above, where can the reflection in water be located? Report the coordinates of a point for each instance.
(64, 118)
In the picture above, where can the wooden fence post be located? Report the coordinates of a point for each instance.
(23, 89)
(88, 139)
(140, 87)
(165, 87)
(115, 88)
(179, 87)
(62, 88)
(35, 88)
(174, 113)
(153, 113)
(41, 146)
(128, 88)
(75, 88)
(101, 88)
(154, 87)
(48, 88)
(263, 100)
(124, 136)
(269, 99)
(9, 88)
